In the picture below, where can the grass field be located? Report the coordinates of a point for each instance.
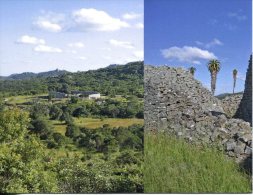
(112, 122)
(174, 166)
(95, 123)
(20, 99)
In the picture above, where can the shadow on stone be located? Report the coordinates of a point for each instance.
(215, 113)
(246, 165)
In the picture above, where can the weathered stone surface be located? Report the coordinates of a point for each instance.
(245, 108)
(231, 104)
(177, 103)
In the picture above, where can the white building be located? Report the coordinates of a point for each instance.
(86, 94)
(94, 96)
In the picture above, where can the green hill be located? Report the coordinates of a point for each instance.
(119, 79)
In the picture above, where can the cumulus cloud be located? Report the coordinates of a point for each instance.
(93, 19)
(50, 21)
(187, 54)
(124, 44)
(212, 43)
(47, 49)
(49, 26)
(76, 44)
(131, 16)
(26, 39)
(139, 25)
(139, 55)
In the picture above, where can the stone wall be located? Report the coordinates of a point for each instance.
(231, 104)
(245, 108)
(178, 104)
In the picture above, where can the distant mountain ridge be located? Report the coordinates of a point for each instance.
(223, 95)
(30, 75)
(52, 73)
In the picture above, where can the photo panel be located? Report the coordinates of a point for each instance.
(198, 96)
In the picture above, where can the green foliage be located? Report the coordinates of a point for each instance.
(72, 131)
(73, 100)
(66, 117)
(96, 177)
(41, 127)
(55, 112)
(213, 67)
(127, 157)
(21, 157)
(174, 166)
(124, 80)
(39, 109)
(34, 158)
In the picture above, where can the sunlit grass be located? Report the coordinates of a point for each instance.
(93, 123)
(174, 166)
(20, 99)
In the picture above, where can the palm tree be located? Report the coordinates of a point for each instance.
(234, 76)
(192, 70)
(214, 68)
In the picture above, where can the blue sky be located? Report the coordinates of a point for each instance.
(75, 35)
(188, 33)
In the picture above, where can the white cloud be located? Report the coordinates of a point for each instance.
(92, 19)
(139, 55)
(106, 48)
(107, 57)
(131, 16)
(139, 25)
(48, 49)
(50, 21)
(82, 58)
(212, 43)
(48, 26)
(76, 44)
(187, 54)
(26, 39)
(237, 15)
(123, 44)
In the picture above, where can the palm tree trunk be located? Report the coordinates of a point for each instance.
(213, 81)
(234, 86)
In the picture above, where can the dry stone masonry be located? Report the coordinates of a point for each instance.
(245, 108)
(231, 104)
(178, 104)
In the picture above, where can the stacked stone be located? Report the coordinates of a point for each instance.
(231, 104)
(177, 103)
(245, 108)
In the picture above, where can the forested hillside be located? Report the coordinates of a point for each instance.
(121, 79)
(73, 144)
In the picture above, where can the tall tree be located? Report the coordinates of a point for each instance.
(234, 77)
(192, 70)
(214, 68)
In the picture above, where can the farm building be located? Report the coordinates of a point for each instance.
(88, 94)
(55, 94)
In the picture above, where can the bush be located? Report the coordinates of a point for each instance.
(72, 131)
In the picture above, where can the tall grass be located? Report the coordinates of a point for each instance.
(174, 166)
